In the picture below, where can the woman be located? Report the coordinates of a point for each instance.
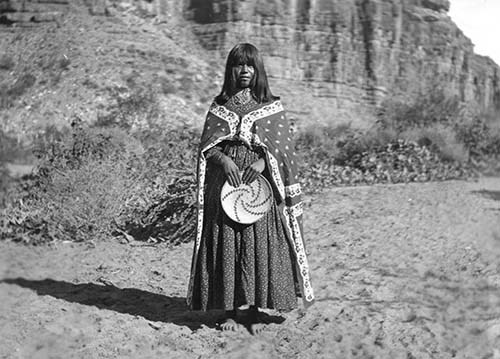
(259, 265)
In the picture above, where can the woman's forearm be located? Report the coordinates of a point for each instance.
(215, 155)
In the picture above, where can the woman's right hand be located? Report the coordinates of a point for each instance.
(232, 171)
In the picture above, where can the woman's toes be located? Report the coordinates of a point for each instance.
(229, 325)
(257, 328)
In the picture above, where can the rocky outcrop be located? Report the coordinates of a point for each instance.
(343, 53)
(353, 51)
(349, 53)
(29, 12)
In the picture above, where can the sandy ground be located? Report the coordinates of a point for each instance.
(401, 271)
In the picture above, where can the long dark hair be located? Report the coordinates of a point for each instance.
(246, 54)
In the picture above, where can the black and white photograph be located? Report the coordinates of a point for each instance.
(249, 179)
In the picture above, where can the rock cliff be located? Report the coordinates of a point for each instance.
(29, 12)
(349, 52)
(344, 54)
(353, 51)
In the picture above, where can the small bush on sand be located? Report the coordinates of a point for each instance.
(80, 189)
(340, 155)
(440, 139)
(92, 183)
(439, 120)
(79, 204)
(323, 143)
(480, 133)
(435, 106)
(167, 209)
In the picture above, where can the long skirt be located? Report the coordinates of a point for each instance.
(240, 264)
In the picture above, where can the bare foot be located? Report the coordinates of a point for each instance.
(257, 328)
(257, 321)
(229, 325)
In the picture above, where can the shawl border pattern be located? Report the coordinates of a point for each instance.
(275, 173)
(293, 190)
(229, 116)
(249, 119)
(294, 227)
(296, 210)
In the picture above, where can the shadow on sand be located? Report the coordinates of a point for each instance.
(151, 306)
(494, 195)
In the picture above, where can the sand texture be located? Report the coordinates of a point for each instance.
(400, 271)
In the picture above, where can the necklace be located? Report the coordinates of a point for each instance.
(242, 97)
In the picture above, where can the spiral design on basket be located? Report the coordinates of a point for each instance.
(248, 202)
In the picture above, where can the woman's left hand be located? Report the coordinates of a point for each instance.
(252, 172)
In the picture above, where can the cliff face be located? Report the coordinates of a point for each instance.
(30, 12)
(343, 53)
(353, 51)
(350, 52)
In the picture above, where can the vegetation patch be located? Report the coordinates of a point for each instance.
(93, 183)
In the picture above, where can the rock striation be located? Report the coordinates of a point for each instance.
(354, 51)
(30, 12)
(351, 52)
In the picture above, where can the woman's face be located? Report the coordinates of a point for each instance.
(243, 73)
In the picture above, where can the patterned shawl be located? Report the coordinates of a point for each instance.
(268, 128)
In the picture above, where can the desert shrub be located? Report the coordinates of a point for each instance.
(80, 204)
(440, 139)
(81, 186)
(432, 136)
(399, 161)
(340, 155)
(434, 106)
(480, 134)
(339, 144)
(474, 134)
(321, 143)
(58, 150)
(439, 120)
(493, 144)
(167, 209)
(96, 182)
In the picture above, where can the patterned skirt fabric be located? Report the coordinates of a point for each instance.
(241, 264)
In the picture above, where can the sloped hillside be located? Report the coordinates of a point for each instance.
(86, 66)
